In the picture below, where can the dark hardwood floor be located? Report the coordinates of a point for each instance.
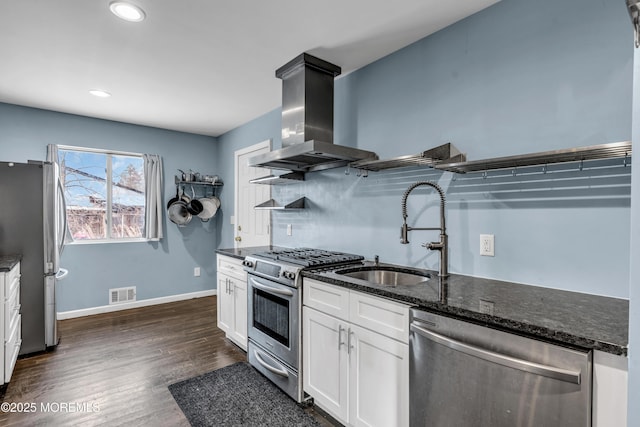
(113, 369)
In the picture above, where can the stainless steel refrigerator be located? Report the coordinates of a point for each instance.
(33, 224)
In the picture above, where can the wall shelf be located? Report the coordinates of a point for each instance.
(178, 181)
(287, 178)
(198, 188)
(594, 152)
(273, 205)
(429, 158)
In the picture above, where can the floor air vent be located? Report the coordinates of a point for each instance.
(120, 295)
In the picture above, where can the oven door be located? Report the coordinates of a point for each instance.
(273, 318)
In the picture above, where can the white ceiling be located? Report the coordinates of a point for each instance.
(200, 66)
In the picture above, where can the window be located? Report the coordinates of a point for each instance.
(104, 192)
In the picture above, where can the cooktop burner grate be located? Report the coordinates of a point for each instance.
(310, 257)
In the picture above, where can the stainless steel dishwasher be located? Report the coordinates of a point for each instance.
(466, 375)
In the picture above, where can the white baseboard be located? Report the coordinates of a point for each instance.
(62, 315)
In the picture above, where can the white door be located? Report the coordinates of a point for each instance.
(252, 227)
(326, 362)
(379, 380)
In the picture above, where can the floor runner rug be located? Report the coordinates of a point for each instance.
(237, 395)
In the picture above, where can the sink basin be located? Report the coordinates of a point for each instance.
(385, 276)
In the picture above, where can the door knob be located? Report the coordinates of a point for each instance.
(238, 239)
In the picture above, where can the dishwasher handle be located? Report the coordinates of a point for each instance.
(501, 359)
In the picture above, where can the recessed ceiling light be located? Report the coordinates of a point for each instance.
(127, 11)
(99, 93)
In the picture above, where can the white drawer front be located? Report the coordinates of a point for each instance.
(11, 349)
(380, 315)
(232, 267)
(12, 311)
(329, 299)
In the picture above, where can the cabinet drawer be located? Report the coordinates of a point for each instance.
(329, 299)
(232, 267)
(380, 315)
(11, 311)
(11, 350)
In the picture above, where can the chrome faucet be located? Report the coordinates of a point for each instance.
(437, 246)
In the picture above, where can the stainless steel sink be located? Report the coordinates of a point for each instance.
(385, 276)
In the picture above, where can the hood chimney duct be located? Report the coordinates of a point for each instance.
(307, 120)
(307, 99)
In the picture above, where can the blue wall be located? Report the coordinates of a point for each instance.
(157, 269)
(516, 78)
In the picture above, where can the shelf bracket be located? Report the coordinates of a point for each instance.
(273, 205)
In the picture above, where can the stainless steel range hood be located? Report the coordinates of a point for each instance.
(307, 120)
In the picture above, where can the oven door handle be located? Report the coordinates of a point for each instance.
(281, 372)
(273, 290)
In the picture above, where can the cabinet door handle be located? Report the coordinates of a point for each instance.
(340, 329)
(349, 345)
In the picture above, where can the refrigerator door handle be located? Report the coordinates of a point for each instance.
(62, 273)
(63, 214)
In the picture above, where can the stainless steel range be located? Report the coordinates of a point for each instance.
(274, 311)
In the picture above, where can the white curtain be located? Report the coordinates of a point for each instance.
(154, 208)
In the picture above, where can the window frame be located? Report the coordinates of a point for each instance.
(109, 187)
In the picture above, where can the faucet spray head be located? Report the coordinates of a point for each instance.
(404, 233)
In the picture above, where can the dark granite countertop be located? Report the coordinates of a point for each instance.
(573, 318)
(241, 253)
(7, 262)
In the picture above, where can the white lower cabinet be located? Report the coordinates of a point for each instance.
(232, 300)
(325, 363)
(356, 355)
(10, 322)
(610, 376)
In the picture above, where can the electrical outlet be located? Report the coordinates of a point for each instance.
(487, 245)
(196, 272)
(289, 229)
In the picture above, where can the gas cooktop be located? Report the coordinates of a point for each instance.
(307, 257)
